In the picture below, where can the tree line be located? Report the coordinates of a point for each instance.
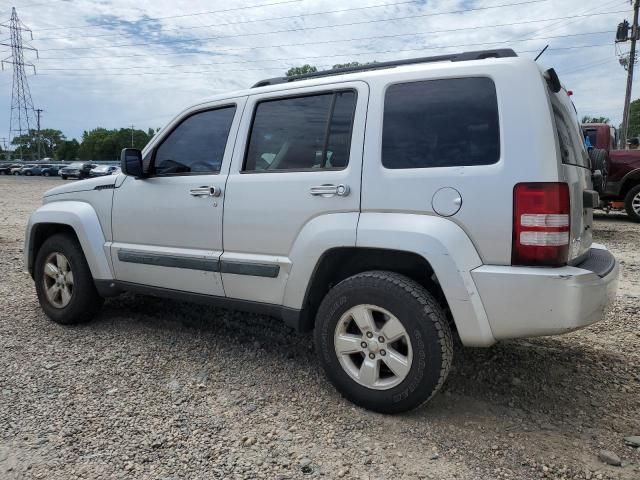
(97, 144)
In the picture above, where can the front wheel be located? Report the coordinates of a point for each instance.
(383, 341)
(64, 177)
(45, 174)
(64, 283)
(632, 203)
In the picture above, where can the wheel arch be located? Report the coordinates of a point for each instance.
(340, 263)
(629, 181)
(76, 218)
(433, 251)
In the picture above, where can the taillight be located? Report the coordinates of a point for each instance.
(541, 224)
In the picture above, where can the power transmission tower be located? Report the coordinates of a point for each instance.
(39, 139)
(21, 119)
(622, 35)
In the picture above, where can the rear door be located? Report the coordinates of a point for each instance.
(298, 158)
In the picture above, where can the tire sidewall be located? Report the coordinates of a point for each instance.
(633, 193)
(424, 375)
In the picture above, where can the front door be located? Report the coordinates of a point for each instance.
(167, 228)
(293, 187)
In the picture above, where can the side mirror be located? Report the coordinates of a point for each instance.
(131, 162)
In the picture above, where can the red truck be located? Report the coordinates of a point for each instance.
(622, 190)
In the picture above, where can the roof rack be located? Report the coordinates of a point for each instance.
(455, 57)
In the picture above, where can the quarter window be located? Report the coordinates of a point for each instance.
(441, 123)
(197, 145)
(301, 133)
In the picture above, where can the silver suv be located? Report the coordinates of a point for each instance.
(388, 208)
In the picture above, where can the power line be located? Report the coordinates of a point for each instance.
(298, 29)
(323, 42)
(285, 67)
(288, 17)
(151, 19)
(289, 59)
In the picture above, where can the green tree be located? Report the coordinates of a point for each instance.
(103, 144)
(27, 144)
(634, 119)
(67, 150)
(588, 119)
(301, 70)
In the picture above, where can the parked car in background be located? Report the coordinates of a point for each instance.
(51, 170)
(6, 169)
(102, 170)
(389, 207)
(29, 170)
(622, 189)
(16, 170)
(77, 170)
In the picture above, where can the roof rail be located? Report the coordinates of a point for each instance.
(455, 57)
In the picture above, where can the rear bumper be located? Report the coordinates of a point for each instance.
(530, 301)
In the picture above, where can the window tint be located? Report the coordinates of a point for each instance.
(301, 133)
(441, 123)
(196, 145)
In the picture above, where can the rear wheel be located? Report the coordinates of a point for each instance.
(600, 161)
(64, 283)
(45, 174)
(383, 341)
(632, 203)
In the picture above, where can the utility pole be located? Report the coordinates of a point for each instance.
(632, 61)
(39, 139)
(21, 119)
(132, 127)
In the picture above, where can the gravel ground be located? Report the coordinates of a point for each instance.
(166, 390)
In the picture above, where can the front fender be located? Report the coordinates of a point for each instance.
(83, 219)
(451, 254)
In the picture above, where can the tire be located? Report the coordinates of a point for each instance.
(632, 203)
(426, 343)
(64, 177)
(28, 174)
(600, 161)
(45, 174)
(84, 301)
(16, 173)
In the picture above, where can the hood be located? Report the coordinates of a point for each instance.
(107, 181)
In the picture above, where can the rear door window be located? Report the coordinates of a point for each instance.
(441, 123)
(311, 132)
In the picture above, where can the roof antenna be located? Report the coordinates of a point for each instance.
(540, 54)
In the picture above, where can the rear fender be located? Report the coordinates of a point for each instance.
(450, 253)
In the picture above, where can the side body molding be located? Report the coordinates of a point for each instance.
(83, 219)
(448, 250)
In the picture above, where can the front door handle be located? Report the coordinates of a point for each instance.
(330, 190)
(206, 192)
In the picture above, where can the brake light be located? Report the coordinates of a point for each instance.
(541, 224)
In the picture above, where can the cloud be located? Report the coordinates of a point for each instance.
(114, 63)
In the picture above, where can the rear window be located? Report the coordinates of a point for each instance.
(570, 136)
(441, 123)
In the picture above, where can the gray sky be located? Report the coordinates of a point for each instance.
(112, 63)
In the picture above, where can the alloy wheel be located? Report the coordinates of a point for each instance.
(58, 280)
(373, 347)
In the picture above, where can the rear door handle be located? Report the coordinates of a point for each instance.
(329, 190)
(206, 192)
